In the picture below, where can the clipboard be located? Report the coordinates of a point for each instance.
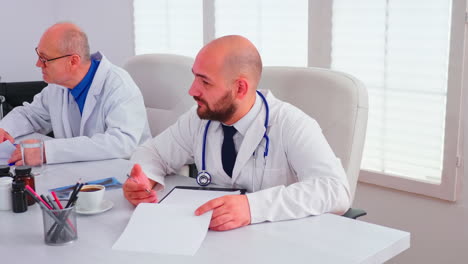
(200, 188)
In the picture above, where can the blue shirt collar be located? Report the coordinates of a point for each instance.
(80, 91)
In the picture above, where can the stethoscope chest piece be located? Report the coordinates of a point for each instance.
(203, 178)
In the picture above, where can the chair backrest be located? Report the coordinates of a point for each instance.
(164, 81)
(16, 93)
(336, 100)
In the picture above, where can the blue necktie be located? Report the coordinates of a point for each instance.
(228, 150)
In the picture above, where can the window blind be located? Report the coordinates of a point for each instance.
(168, 26)
(400, 50)
(277, 28)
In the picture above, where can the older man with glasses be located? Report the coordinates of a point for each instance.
(93, 107)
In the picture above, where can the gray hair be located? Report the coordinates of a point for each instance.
(75, 41)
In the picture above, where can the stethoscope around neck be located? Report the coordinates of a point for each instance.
(204, 177)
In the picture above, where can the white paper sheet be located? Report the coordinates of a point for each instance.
(170, 227)
(6, 149)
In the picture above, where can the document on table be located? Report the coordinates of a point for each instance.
(170, 227)
(6, 149)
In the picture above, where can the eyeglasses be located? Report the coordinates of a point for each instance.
(43, 60)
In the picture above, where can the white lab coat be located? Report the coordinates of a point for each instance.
(302, 175)
(112, 125)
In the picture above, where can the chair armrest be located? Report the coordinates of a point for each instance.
(354, 213)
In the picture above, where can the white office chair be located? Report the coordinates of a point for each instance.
(337, 101)
(164, 81)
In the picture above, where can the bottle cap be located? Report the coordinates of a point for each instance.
(23, 170)
(5, 170)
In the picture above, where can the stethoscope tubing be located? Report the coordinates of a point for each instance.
(203, 173)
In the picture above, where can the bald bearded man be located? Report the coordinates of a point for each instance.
(280, 154)
(93, 107)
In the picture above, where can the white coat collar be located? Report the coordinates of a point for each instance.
(243, 124)
(254, 135)
(96, 87)
(94, 91)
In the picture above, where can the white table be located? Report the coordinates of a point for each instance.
(321, 239)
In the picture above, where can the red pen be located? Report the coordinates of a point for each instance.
(57, 200)
(38, 197)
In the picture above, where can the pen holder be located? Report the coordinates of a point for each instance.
(59, 226)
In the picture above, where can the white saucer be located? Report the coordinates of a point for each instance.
(105, 205)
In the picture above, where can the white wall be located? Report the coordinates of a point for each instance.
(108, 24)
(439, 229)
(21, 26)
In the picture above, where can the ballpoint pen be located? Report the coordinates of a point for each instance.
(135, 181)
(59, 204)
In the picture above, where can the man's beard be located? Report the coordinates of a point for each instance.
(224, 109)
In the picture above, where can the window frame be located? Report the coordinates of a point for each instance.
(320, 12)
(452, 170)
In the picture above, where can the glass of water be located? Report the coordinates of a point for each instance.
(32, 154)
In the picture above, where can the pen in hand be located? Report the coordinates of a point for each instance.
(135, 181)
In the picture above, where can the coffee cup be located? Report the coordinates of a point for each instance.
(90, 197)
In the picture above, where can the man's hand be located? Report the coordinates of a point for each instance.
(16, 156)
(4, 136)
(229, 212)
(135, 188)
